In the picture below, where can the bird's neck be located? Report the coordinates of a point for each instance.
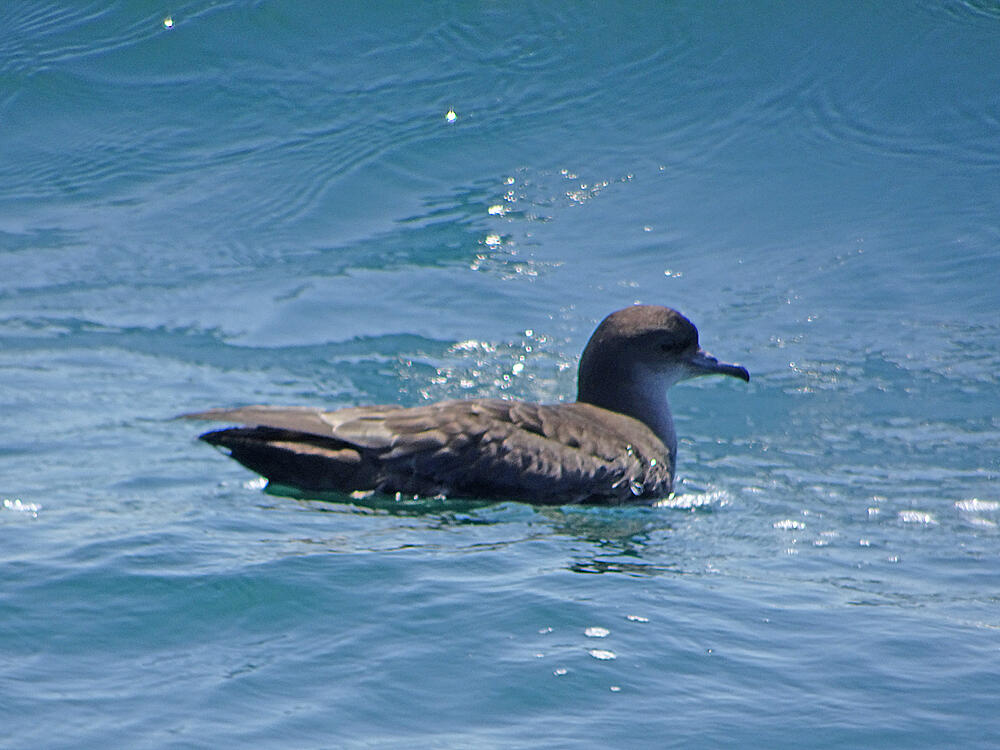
(636, 394)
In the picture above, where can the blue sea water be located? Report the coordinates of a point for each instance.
(220, 203)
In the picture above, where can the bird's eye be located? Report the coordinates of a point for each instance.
(677, 346)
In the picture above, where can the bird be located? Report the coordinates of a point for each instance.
(614, 445)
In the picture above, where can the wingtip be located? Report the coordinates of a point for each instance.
(212, 437)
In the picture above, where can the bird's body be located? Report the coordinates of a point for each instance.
(545, 454)
(615, 444)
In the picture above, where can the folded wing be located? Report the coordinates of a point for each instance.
(549, 454)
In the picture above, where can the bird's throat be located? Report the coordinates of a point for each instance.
(642, 398)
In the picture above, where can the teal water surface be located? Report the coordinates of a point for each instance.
(221, 203)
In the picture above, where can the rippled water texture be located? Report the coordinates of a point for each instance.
(313, 203)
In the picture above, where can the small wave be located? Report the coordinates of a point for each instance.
(973, 9)
(960, 135)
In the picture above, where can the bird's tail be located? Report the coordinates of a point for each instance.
(292, 458)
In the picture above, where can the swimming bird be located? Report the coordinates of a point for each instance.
(615, 444)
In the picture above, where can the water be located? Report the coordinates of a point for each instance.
(267, 203)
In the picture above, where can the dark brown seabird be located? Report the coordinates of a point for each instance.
(616, 444)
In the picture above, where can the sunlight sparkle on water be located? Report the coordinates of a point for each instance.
(694, 501)
(983, 522)
(18, 506)
(602, 654)
(788, 525)
(975, 505)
